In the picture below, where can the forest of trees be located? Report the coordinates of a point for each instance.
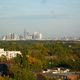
(39, 55)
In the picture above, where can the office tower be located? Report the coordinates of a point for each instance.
(25, 33)
(37, 36)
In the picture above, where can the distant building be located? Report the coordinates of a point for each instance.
(20, 37)
(9, 54)
(10, 36)
(37, 36)
(29, 37)
(24, 36)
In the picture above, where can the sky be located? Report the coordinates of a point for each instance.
(50, 17)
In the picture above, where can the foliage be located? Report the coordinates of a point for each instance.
(38, 55)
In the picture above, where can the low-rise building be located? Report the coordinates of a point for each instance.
(59, 74)
(9, 54)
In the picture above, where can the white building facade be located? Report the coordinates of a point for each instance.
(37, 36)
(9, 54)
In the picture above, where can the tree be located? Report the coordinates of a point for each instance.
(3, 58)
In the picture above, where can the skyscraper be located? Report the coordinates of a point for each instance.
(25, 33)
(37, 36)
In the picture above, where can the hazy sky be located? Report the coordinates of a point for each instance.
(50, 17)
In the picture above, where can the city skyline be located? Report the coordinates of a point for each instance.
(24, 36)
(34, 36)
(50, 17)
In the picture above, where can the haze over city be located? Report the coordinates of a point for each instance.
(50, 17)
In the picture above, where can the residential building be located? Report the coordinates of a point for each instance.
(9, 54)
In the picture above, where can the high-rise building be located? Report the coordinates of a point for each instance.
(37, 36)
(25, 33)
(24, 36)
